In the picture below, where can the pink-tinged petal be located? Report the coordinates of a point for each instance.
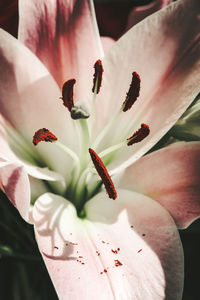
(29, 100)
(107, 43)
(64, 35)
(5, 151)
(130, 250)
(15, 184)
(139, 13)
(165, 52)
(170, 176)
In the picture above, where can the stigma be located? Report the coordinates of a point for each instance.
(78, 110)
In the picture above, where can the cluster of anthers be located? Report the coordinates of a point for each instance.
(79, 112)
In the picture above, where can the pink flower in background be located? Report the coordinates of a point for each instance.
(9, 16)
(137, 14)
(113, 18)
(128, 248)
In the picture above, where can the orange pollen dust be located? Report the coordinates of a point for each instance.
(139, 135)
(43, 135)
(97, 75)
(133, 92)
(67, 93)
(103, 173)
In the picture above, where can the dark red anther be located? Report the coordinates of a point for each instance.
(97, 76)
(139, 135)
(43, 135)
(103, 173)
(133, 92)
(67, 93)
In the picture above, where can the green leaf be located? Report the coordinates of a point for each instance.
(187, 127)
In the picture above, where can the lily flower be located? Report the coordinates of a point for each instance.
(119, 239)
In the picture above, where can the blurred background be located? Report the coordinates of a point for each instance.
(23, 275)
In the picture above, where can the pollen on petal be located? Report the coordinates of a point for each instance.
(97, 81)
(133, 92)
(67, 93)
(139, 135)
(43, 135)
(118, 263)
(103, 173)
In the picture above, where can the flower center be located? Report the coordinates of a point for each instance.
(87, 167)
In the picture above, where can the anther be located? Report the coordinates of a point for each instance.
(103, 173)
(133, 92)
(67, 93)
(97, 76)
(43, 135)
(139, 135)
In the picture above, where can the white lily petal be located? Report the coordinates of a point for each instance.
(165, 52)
(175, 181)
(64, 35)
(29, 99)
(78, 252)
(15, 184)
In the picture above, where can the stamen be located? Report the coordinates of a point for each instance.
(67, 93)
(43, 135)
(139, 135)
(97, 76)
(103, 173)
(133, 92)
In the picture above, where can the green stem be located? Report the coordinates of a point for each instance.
(91, 120)
(112, 149)
(71, 153)
(85, 141)
(80, 190)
